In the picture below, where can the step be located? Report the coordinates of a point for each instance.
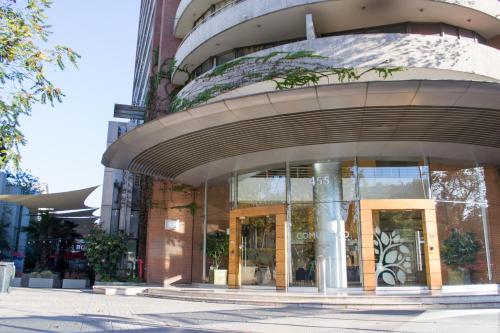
(463, 301)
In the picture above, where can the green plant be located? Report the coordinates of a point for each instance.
(459, 249)
(47, 235)
(25, 61)
(105, 252)
(42, 274)
(217, 247)
(193, 207)
(4, 234)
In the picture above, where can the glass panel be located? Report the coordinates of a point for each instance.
(218, 207)
(302, 244)
(463, 183)
(462, 243)
(425, 28)
(258, 251)
(392, 180)
(322, 175)
(262, 188)
(315, 232)
(399, 250)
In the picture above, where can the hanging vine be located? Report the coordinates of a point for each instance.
(282, 69)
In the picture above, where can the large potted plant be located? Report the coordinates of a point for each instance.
(217, 250)
(459, 253)
(105, 253)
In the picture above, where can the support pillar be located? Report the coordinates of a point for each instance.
(330, 224)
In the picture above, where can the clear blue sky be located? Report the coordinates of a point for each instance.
(65, 143)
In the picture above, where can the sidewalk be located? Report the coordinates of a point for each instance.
(44, 310)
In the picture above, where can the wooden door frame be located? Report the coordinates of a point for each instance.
(280, 211)
(429, 225)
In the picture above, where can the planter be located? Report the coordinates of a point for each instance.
(16, 282)
(41, 283)
(74, 284)
(458, 275)
(218, 276)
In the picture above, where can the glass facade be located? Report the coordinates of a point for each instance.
(323, 200)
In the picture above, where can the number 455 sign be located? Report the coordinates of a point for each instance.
(320, 180)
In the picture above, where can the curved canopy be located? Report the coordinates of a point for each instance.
(437, 113)
(71, 200)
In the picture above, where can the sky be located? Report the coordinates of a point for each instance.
(65, 143)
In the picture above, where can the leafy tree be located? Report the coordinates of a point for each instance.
(217, 247)
(105, 252)
(24, 60)
(4, 237)
(28, 183)
(48, 235)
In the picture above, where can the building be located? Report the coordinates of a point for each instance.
(15, 217)
(378, 182)
(120, 207)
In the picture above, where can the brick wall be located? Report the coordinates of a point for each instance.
(173, 256)
(492, 175)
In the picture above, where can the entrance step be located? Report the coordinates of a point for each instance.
(436, 300)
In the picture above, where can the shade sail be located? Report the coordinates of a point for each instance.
(76, 213)
(71, 200)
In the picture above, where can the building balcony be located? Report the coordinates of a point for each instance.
(250, 23)
(422, 57)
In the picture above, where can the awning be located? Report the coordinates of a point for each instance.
(63, 201)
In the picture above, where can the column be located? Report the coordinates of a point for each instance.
(330, 224)
(432, 256)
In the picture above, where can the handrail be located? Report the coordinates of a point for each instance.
(215, 13)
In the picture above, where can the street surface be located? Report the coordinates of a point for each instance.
(37, 310)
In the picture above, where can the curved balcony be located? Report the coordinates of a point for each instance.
(446, 119)
(250, 23)
(423, 57)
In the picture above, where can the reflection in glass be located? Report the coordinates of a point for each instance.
(462, 243)
(392, 180)
(262, 188)
(458, 183)
(304, 240)
(258, 251)
(398, 245)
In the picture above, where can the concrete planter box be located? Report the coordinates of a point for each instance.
(16, 282)
(74, 284)
(41, 283)
(218, 276)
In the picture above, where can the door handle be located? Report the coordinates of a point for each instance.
(418, 250)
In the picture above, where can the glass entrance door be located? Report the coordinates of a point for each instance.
(258, 251)
(399, 248)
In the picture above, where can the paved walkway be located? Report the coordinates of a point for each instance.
(37, 310)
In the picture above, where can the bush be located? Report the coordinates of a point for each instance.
(42, 275)
(217, 247)
(105, 252)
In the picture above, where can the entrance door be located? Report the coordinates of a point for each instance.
(399, 248)
(258, 251)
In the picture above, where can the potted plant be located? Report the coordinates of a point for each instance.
(217, 250)
(43, 279)
(459, 253)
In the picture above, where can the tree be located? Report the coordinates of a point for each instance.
(28, 183)
(105, 252)
(217, 247)
(23, 63)
(4, 237)
(48, 235)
